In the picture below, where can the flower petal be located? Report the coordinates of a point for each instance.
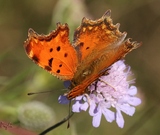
(109, 115)
(97, 119)
(129, 110)
(92, 109)
(119, 119)
(84, 106)
(63, 99)
(67, 83)
(132, 90)
(76, 107)
(134, 101)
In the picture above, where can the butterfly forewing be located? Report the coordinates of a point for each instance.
(99, 44)
(53, 52)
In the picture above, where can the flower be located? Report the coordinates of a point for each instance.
(110, 95)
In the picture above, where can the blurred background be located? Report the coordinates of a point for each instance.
(19, 75)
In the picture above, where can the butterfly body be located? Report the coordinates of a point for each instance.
(96, 46)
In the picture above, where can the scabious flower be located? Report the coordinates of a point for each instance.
(110, 95)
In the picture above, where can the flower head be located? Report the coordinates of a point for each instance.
(112, 90)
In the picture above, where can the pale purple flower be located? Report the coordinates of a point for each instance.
(112, 90)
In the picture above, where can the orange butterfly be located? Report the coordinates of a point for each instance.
(96, 46)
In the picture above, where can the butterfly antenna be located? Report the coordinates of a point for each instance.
(57, 124)
(32, 93)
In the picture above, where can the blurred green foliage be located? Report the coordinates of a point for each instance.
(19, 76)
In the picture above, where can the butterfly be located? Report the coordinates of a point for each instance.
(97, 44)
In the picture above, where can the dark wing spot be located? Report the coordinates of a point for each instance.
(28, 48)
(48, 68)
(66, 54)
(58, 71)
(60, 65)
(35, 58)
(51, 49)
(50, 62)
(81, 44)
(87, 48)
(58, 48)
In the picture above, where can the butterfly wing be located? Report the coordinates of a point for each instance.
(99, 44)
(53, 52)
